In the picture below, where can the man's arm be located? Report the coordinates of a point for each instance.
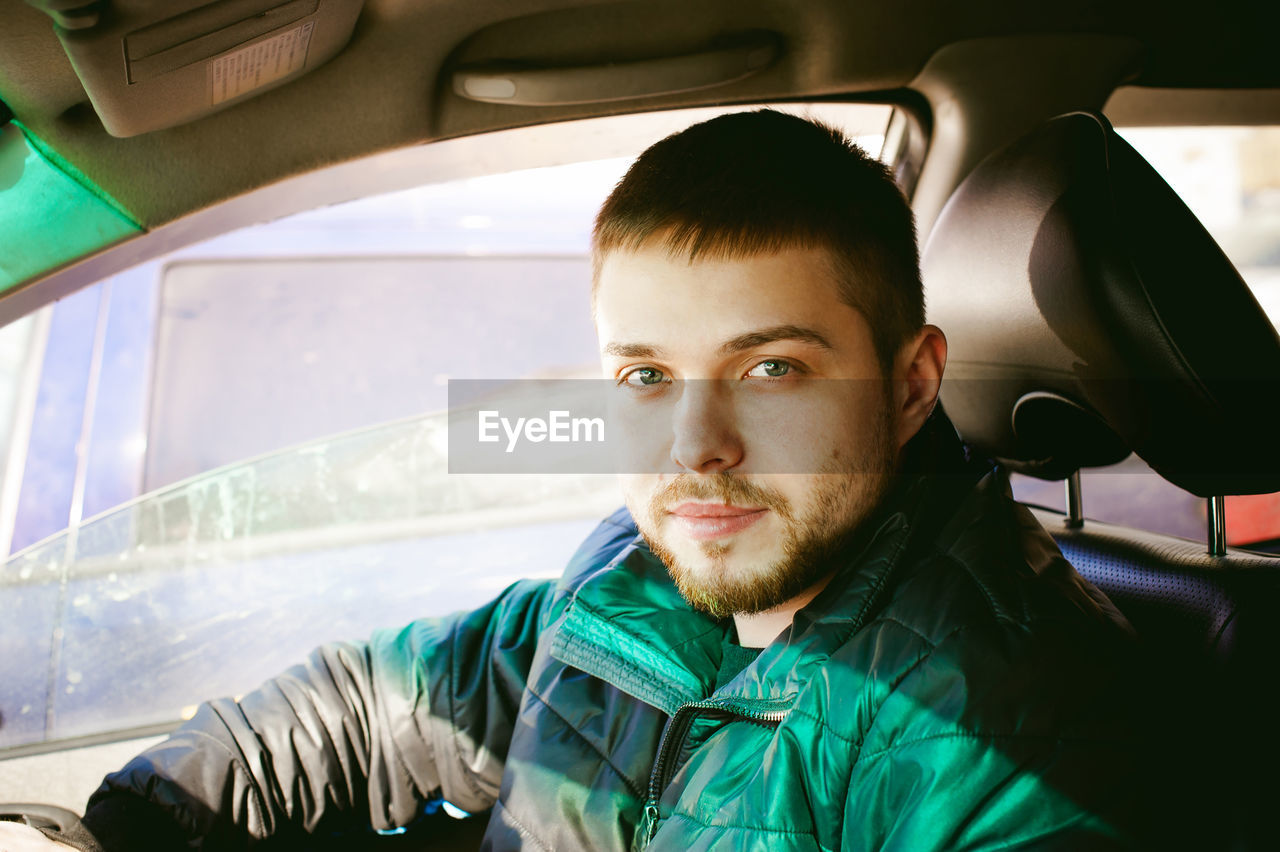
(359, 735)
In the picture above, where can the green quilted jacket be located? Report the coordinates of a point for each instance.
(952, 688)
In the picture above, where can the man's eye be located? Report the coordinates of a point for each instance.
(644, 376)
(770, 369)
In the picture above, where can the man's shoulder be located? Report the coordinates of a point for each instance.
(610, 539)
(994, 616)
(992, 569)
(976, 561)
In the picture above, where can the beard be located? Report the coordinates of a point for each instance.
(841, 502)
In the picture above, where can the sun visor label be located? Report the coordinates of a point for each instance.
(242, 71)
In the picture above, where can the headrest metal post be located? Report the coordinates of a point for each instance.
(1217, 526)
(1075, 508)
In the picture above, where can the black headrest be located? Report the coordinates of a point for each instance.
(1090, 314)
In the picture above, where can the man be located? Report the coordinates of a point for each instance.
(819, 624)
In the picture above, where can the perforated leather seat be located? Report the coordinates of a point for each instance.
(1090, 315)
(1217, 610)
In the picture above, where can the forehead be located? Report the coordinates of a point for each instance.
(654, 294)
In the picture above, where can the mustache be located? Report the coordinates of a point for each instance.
(728, 488)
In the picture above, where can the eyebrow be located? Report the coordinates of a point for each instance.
(632, 350)
(750, 340)
(776, 333)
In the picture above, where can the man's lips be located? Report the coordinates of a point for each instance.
(706, 521)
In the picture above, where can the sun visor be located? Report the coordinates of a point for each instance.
(151, 64)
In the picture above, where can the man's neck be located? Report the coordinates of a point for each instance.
(758, 629)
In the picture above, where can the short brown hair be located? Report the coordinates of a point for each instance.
(756, 182)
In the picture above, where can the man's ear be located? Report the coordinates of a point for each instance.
(917, 375)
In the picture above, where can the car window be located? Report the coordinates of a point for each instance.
(1230, 178)
(223, 457)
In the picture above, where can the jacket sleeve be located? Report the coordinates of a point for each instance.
(361, 734)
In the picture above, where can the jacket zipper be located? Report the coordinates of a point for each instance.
(673, 738)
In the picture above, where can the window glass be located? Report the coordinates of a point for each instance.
(221, 321)
(1230, 178)
(236, 452)
(20, 345)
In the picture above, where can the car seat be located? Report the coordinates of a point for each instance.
(1090, 315)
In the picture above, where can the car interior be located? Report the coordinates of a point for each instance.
(1091, 317)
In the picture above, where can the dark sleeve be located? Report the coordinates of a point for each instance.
(361, 734)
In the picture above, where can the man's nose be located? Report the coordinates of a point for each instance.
(706, 437)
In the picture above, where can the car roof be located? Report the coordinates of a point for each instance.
(390, 87)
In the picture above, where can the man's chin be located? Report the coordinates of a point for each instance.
(708, 562)
(723, 578)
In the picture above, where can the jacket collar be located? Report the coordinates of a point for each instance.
(628, 625)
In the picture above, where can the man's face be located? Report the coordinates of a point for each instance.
(753, 405)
